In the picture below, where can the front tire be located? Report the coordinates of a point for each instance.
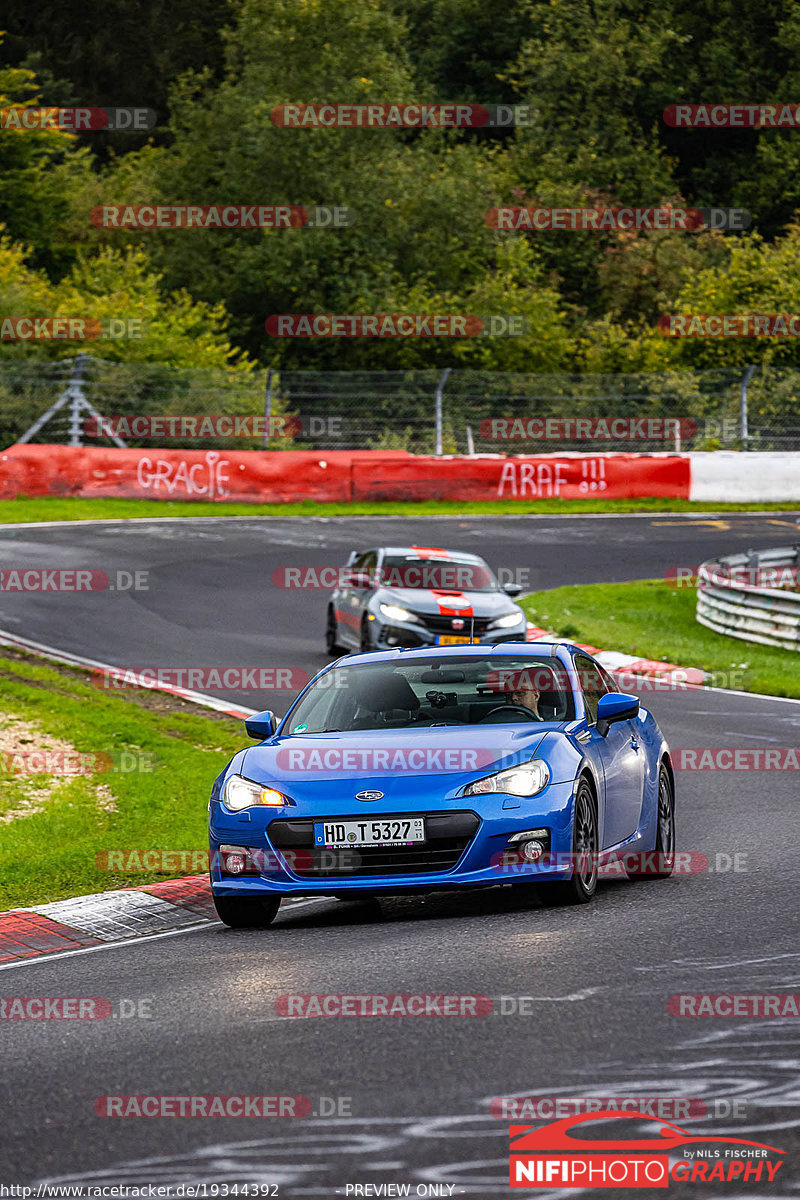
(665, 835)
(244, 912)
(580, 889)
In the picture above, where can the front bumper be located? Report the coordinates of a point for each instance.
(386, 635)
(488, 823)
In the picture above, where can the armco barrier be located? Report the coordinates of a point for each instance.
(728, 602)
(287, 476)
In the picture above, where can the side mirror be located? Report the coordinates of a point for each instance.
(261, 725)
(512, 589)
(615, 706)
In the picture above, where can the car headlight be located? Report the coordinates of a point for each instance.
(526, 780)
(395, 613)
(239, 793)
(507, 621)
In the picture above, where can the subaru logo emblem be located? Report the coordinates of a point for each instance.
(457, 623)
(369, 795)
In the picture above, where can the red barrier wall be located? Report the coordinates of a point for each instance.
(540, 477)
(287, 476)
(244, 475)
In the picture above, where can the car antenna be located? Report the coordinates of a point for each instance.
(472, 631)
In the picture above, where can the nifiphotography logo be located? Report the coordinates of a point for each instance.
(550, 1156)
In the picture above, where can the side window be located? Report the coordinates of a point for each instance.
(359, 568)
(592, 684)
(611, 685)
(368, 568)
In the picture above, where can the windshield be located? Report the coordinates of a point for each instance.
(434, 691)
(408, 571)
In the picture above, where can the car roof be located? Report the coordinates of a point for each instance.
(438, 553)
(476, 650)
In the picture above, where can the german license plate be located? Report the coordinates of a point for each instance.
(445, 639)
(391, 831)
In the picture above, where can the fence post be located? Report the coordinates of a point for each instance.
(268, 407)
(76, 400)
(439, 390)
(743, 429)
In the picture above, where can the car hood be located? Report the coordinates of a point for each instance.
(435, 603)
(460, 753)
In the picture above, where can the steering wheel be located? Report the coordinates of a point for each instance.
(513, 708)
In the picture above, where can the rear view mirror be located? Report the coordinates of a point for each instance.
(615, 706)
(261, 725)
(442, 677)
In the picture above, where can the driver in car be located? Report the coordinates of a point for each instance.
(526, 696)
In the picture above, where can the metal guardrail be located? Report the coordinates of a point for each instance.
(748, 596)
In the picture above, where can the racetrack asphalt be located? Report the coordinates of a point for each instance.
(413, 1093)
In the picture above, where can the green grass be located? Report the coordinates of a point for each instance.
(652, 619)
(51, 854)
(56, 508)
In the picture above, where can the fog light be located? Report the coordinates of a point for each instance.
(237, 860)
(532, 851)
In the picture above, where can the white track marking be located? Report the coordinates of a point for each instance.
(137, 941)
(686, 514)
(78, 660)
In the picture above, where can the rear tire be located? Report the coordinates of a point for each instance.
(242, 912)
(331, 644)
(583, 885)
(665, 834)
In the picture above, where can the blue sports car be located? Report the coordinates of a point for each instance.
(415, 770)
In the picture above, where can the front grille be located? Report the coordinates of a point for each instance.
(438, 624)
(447, 837)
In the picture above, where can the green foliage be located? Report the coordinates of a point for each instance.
(596, 77)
